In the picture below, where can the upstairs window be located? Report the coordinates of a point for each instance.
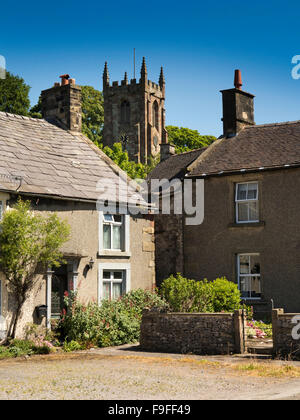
(155, 115)
(125, 112)
(246, 200)
(249, 275)
(113, 231)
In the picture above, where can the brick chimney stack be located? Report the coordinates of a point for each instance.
(61, 104)
(238, 108)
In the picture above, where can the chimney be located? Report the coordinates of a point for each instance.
(61, 105)
(166, 150)
(238, 108)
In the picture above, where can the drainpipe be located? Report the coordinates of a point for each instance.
(48, 297)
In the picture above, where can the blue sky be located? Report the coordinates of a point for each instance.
(198, 43)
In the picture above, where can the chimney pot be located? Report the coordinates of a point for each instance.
(238, 79)
(64, 79)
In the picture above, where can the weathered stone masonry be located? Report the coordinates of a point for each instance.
(213, 333)
(134, 114)
(283, 341)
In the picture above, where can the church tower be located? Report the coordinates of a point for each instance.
(134, 114)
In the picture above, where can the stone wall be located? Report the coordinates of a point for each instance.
(283, 342)
(198, 333)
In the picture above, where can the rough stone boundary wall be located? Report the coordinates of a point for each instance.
(198, 333)
(283, 342)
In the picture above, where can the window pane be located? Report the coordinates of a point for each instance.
(106, 290)
(253, 210)
(242, 192)
(245, 286)
(242, 212)
(106, 274)
(244, 264)
(255, 264)
(255, 286)
(117, 290)
(106, 237)
(252, 191)
(116, 237)
(108, 218)
(118, 218)
(118, 275)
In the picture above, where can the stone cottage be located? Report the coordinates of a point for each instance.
(51, 163)
(251, 227)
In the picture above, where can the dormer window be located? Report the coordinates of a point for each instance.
(246, 201)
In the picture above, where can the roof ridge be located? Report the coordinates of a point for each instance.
(272, 124)
(190, 151)
(21, 117)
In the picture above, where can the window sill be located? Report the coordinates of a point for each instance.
(247, 225)
(111, 253)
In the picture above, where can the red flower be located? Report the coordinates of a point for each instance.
(66, 293)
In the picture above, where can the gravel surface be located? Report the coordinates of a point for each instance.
(124, 374)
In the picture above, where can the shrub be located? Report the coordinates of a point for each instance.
(115, 322)
(226, 295)
(17, 348)
(72, 346)
(186, 295)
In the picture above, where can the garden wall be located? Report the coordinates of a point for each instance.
(283, 341)
(198, 333)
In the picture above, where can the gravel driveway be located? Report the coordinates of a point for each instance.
(123, 373)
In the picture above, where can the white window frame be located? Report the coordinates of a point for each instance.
(126, 268)
(126, 238)
(245, 201)
(247, 275)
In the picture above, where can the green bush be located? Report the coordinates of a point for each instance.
(226, 295)
(113, 323)
(18, 348)
(186, 295)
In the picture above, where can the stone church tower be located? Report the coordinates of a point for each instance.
(134, 114)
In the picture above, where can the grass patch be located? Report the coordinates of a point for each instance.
(268, 370)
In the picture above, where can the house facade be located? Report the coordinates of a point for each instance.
(51, 163)
(251, 230)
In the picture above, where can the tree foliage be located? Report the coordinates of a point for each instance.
(92, 114)
(28, 240)
(133, 169)
(186, 139)
(14, 95)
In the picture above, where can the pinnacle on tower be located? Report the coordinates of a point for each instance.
(105, 75)
(144, 70)
(161, 78)
(126, 78)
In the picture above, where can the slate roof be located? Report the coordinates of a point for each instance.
(175, 166)
(255, 147)
(50, 161)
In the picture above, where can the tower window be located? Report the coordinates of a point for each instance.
(125, 112)
(155, 115)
